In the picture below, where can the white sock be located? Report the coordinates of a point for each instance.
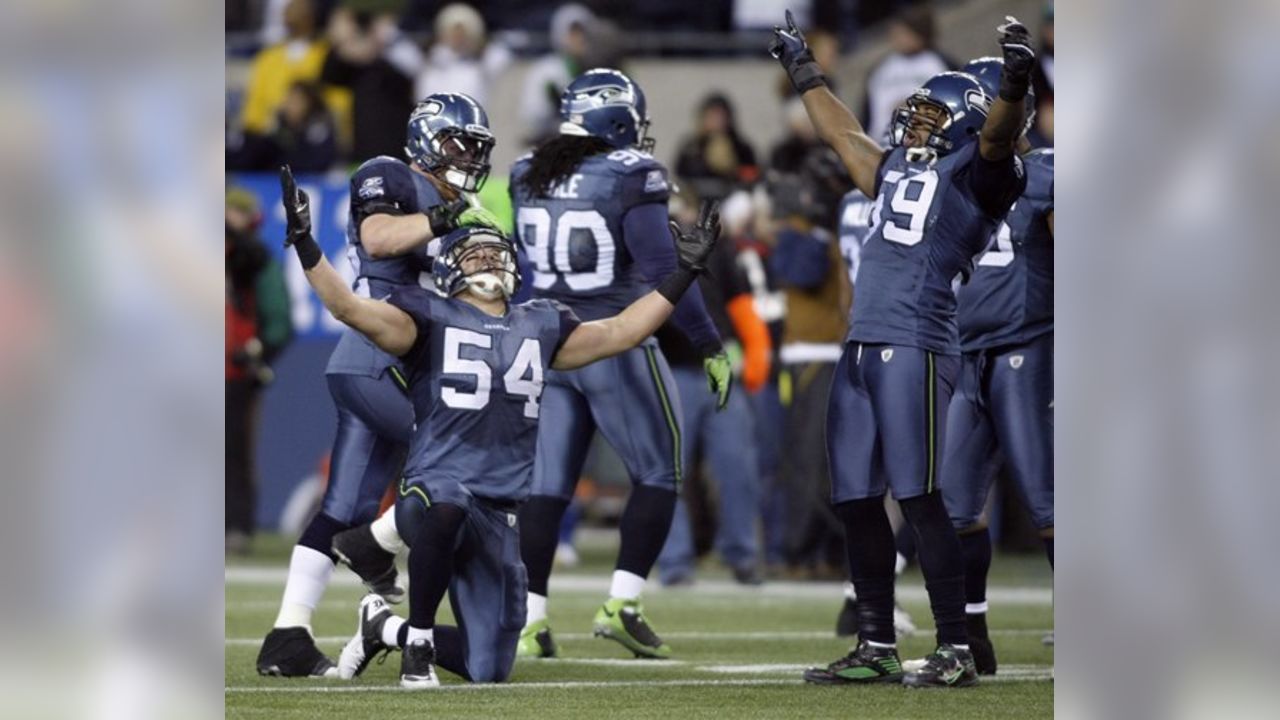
(384, 531)
(975, 608)
(899, 564)
(626, 586)
(850, 592)
(537, 605)
(391, 631)
(873, 643)
(309, 572)
(417, 634)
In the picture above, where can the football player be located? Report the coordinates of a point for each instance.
(1003, 403)
(475, 365)
(590, 204)
(940, 192)
(397, 210)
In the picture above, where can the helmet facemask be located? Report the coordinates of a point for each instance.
(485, 264)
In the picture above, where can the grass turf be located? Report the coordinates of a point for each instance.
(737, 652)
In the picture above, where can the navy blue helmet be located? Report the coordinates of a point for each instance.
(449, 132)
(607, 104)
(952, 106)
(987, 70)
(477, 258)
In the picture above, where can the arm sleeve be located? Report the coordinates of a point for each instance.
(996, 184)
(644, 229)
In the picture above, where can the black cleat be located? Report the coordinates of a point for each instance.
(984, 653)
(748, 575)
(418, 666)
(357, 549)
(367, 643)
(292, 652)
(863, 664)
(948, 666)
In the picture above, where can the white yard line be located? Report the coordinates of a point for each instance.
(691, 635)
(704, 590)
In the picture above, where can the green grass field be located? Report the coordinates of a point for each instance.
(738, 652)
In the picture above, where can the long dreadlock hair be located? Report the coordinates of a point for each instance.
(556, 159)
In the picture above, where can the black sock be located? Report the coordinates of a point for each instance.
(1048, 549)
(977, 563)
(869, 544)
(644, 526)
(319, 534)
(431, 562)
(539, 534)
(449, 652)
(942, 562)
(905, 543)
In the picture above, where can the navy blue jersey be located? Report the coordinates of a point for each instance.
(857, 219)
(574, 238)
(1010, 298)
(476, 381)
(381, 185)
(933, 218)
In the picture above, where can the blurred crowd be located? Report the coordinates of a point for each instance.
(338, 80)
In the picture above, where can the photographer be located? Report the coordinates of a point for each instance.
(257, 329)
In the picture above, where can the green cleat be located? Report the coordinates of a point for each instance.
(864, 664)
(536, 641)
(623, 621)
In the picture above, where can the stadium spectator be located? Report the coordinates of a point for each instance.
(304, 138)
(725, 438)
(716, 160)
(540, 99)
(257, 329)
(376, 61)
(801, 140)
(810, 268)
(912, 60)
(277, 68)
(460, 60)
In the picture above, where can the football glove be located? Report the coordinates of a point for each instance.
(694, 246)
(719, 377)
(790, 49)
(444, 217)
(297, 217)
(477, 216)
(1019, 58)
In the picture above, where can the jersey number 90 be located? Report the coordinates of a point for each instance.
(549, 242)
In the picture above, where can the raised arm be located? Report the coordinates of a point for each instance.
(387, 326)
(607, 337)
(835, 124)
(1004, 123)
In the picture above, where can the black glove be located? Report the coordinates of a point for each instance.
(694, 246)
(444, 217)
(1019, 59)
(790, 49)
(297, 215)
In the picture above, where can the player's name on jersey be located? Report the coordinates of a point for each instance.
(567, 188)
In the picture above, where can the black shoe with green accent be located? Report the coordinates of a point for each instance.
(623, 621)
(948, 666)
(863, 664)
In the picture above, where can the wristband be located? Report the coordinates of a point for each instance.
(1013, 89)
(674, 285)
(308, 251)
(807, 77)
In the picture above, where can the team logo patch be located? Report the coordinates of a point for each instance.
(1015, 362)
(654, 181)
(886, 355)
(511, 520)
(371, 188)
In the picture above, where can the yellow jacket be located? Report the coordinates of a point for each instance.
(274, 71)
